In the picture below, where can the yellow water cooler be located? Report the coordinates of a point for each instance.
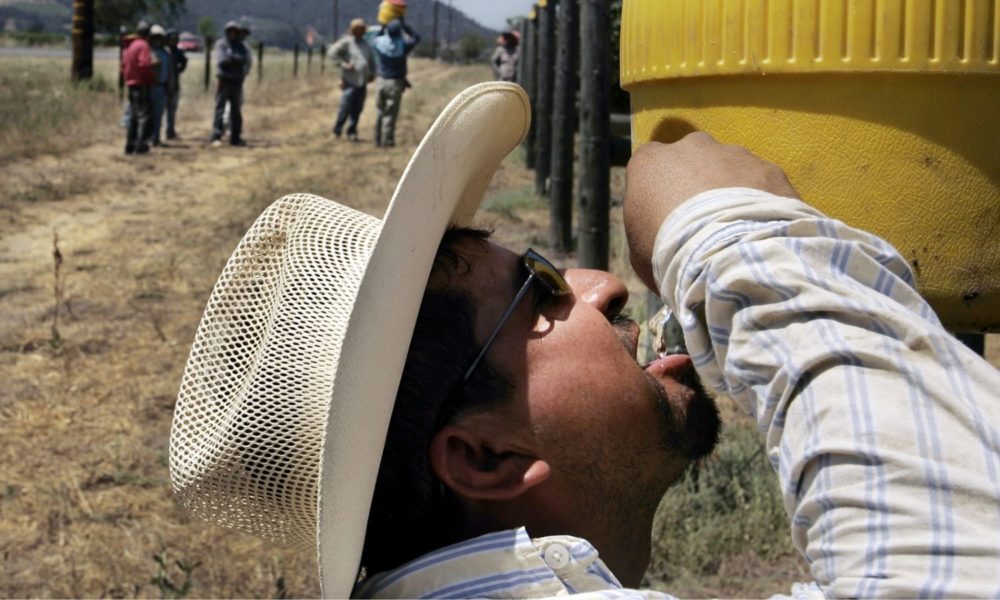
(884, 113)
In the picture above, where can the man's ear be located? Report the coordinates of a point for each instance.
(478, 458)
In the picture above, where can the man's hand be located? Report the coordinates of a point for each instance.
(660, 177)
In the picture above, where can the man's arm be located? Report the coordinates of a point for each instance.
(339, 53)
(496, 60)
(222, 51)
(414, 38)
(881, 426)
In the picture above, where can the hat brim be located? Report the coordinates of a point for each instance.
(443, 184)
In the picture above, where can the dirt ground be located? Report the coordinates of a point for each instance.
(91, 352)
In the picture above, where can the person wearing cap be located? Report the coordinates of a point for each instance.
(178, 62)
(139, 65)
(357, 69)
(457, 419)
(392, 48)
(231, 67)
(504, 59)
(159, 93)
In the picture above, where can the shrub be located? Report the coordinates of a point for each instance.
(724, 507)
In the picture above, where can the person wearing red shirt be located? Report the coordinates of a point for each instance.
(138, 69)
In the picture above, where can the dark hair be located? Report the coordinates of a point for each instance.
(410, 514)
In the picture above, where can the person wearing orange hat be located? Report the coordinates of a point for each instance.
(392, 47)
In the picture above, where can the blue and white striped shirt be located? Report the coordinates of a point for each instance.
(881, 426)
(504, 564)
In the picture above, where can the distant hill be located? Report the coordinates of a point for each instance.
(275, 23)
(35, 15)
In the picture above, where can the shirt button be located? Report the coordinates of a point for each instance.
(556, 556)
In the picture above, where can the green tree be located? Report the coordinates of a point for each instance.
(112, 14)
(470, 48)
(206, 27)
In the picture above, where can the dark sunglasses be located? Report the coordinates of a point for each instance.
(552, 282)
(540, 270)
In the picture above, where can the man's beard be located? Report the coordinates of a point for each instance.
(695, 433)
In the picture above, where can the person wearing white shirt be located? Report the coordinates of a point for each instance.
(542, 478)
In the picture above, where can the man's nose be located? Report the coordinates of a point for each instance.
(600, 289)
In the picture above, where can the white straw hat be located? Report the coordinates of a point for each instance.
(283, 409)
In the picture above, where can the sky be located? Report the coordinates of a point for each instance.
(493, 13)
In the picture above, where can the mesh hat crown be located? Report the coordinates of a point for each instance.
(287, 394)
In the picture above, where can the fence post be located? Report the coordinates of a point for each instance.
(451, 41)
(563, 127)
(522, 30)
(434, 32)
(528, 83)
(83, 39)
(543, 107)
(336, 20)
(121, 58)
(260, 61)
(208, 61)
(295, 62)
(595, 133)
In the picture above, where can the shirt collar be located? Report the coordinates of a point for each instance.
(506, 564)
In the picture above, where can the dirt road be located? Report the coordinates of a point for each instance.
(90, 373)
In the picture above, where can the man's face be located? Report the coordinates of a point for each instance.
(606, 425)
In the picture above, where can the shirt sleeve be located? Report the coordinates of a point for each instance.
(881, 426)
(338, 52)
(411, 43)
(144, 57)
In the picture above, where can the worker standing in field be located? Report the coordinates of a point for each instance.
(158, 92)
(231, 65)
(357, 69)
(392, 48)
(179, 63)
(504, 60)
(138, 71)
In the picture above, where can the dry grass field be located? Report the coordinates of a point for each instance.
(92, 345)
